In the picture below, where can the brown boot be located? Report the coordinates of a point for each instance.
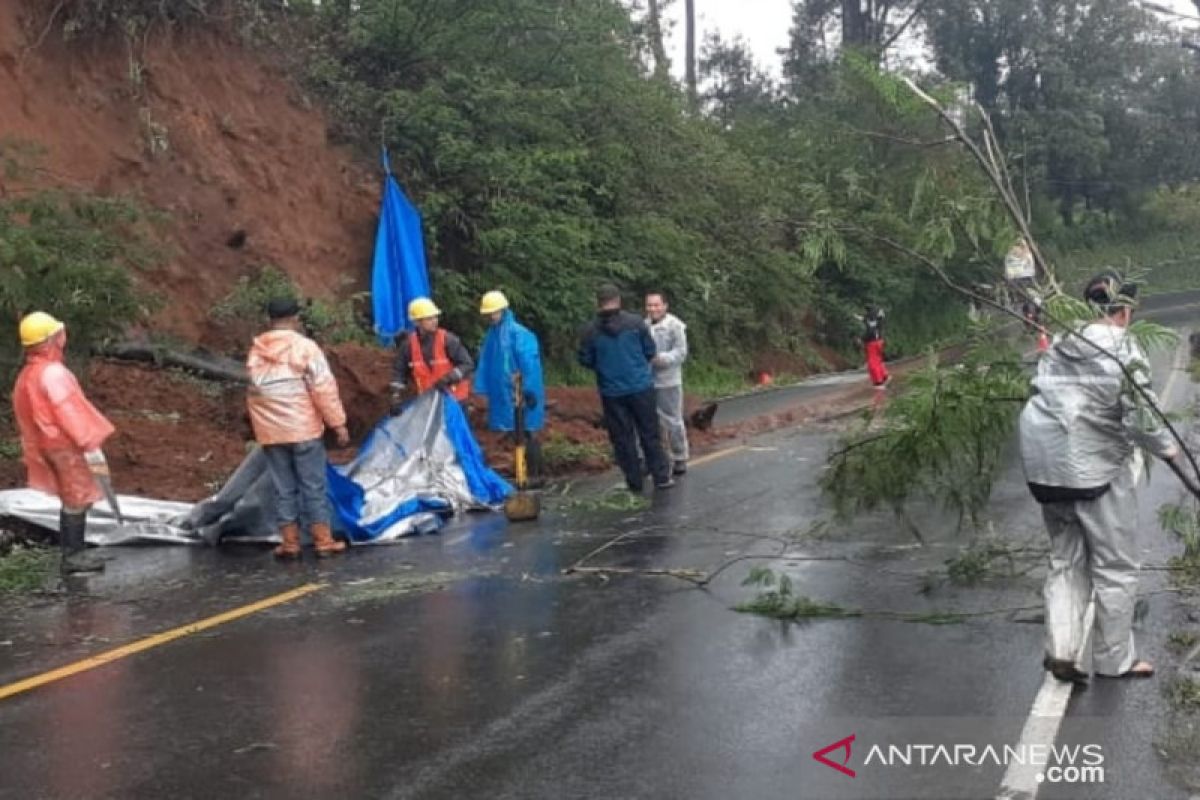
(323, 540)
(290, 547)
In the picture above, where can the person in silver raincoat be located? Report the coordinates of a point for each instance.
(1080, 433)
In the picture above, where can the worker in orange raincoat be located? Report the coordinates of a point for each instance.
(61, 436)
(293, 397)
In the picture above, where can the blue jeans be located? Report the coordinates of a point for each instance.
(298, 472)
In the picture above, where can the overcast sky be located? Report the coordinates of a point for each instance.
(764, 25)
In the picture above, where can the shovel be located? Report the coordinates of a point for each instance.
(521, 505)
(106, 486)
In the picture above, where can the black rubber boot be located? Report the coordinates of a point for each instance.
(75, 557)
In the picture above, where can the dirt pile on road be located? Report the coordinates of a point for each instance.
(177, 437)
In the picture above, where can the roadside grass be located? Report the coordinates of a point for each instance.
(1167, 261)
(614, 500)
(1184, 694)
(25, 568)
(561, 454)
(1182, 641)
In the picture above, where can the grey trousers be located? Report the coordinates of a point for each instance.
(1093, 546)
(670, 417)
(298, 472)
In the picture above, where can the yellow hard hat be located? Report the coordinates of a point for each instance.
(492, 302)
(422, 308)
(38, 327)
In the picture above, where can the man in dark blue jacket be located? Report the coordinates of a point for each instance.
(618, 347)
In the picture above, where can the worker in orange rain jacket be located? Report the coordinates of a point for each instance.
(293, 397)
(431, 357)
(61, 436)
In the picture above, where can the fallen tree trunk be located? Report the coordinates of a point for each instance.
(205, 365)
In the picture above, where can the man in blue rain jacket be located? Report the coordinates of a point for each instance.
(509, 348)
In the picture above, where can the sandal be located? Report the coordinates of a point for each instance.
(1146, 671)
(1065, 670)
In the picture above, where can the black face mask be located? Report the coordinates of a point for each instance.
(609, 313)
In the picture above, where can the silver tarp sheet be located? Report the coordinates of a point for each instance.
(406, 459)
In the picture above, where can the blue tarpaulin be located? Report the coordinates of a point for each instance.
(412, 472)
(399, 274)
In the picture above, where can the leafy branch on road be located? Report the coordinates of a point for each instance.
(944, 438)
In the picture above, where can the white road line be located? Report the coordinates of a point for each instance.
(1050, 705)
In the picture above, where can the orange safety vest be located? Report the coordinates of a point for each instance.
(426, 375)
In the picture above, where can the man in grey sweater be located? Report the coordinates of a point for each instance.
(670, 338)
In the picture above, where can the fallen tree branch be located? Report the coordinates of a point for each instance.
(209, 367)
(1069, 330)
(693, 576)
(993, 173)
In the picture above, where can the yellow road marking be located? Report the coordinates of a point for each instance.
(108, 656)
(696, 462)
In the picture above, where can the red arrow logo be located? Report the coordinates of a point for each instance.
(844, 744)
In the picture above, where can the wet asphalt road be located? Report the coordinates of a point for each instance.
(467, 665)
(508, 679)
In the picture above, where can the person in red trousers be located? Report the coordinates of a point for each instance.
(873, 345)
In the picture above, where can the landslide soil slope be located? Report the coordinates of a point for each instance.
(202, 128)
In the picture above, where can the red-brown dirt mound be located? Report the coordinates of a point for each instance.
(212, 133)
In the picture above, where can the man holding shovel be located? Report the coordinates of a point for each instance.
(510, 350)
(61, 436)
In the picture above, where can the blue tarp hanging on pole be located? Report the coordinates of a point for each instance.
(399, 274)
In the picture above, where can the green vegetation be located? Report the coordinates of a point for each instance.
(942, 439)
(1184, 694)
(546, 159)
(1182, 641)
(778, 601)
(1184, 523)
(615, 500)
(73, 255)
(25, 568)
(562, 455)
(331, 322)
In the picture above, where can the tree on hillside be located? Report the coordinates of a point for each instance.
(1074, 88)
(867, 26)
(690, 55)
(734, 84)
(654, 25)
